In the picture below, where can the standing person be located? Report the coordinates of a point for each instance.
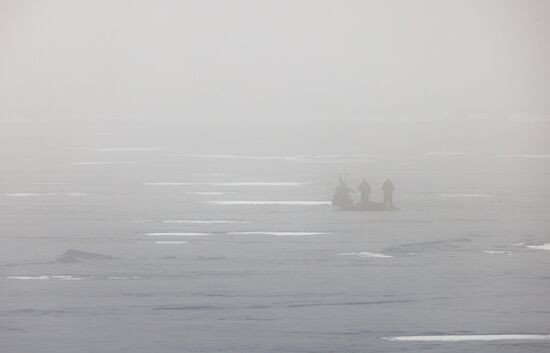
(341, 195)
(388, 189)
(365, 190)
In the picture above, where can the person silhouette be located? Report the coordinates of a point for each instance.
(388, 189)
(342, 196)
(364, 189)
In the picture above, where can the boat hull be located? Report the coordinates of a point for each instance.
(368, 206)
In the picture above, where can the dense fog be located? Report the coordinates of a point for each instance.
(274, 176)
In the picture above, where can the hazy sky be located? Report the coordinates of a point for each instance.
(269, 59)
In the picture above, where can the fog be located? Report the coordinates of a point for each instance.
(273, 60)
(274, 176)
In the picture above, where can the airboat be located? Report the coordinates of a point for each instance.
(342, 201)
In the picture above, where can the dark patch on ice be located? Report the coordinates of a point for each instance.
(253, 318)
(32, 311)
(374, 302)
(187, 307)
(215, 295)
(244, 318)
(259, 306)
(13, 329)
(433, 244)
(211, 258)
(441, 298)
(209, 307)
(138, 295)
(76, 256)
(333, 333)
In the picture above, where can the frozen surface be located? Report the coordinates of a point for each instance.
(244, 253)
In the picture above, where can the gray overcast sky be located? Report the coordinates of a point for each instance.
(269, 59)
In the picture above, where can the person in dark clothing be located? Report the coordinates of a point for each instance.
(388, 189)
(342, 196)
(364, 189)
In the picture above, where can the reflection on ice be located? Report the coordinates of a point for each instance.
(122, 277)
(540, 247)
(29, 277)
(365, 254)
(496, 252)
(271, 203)
(34, 194)
(282, 234)
(177, 234)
